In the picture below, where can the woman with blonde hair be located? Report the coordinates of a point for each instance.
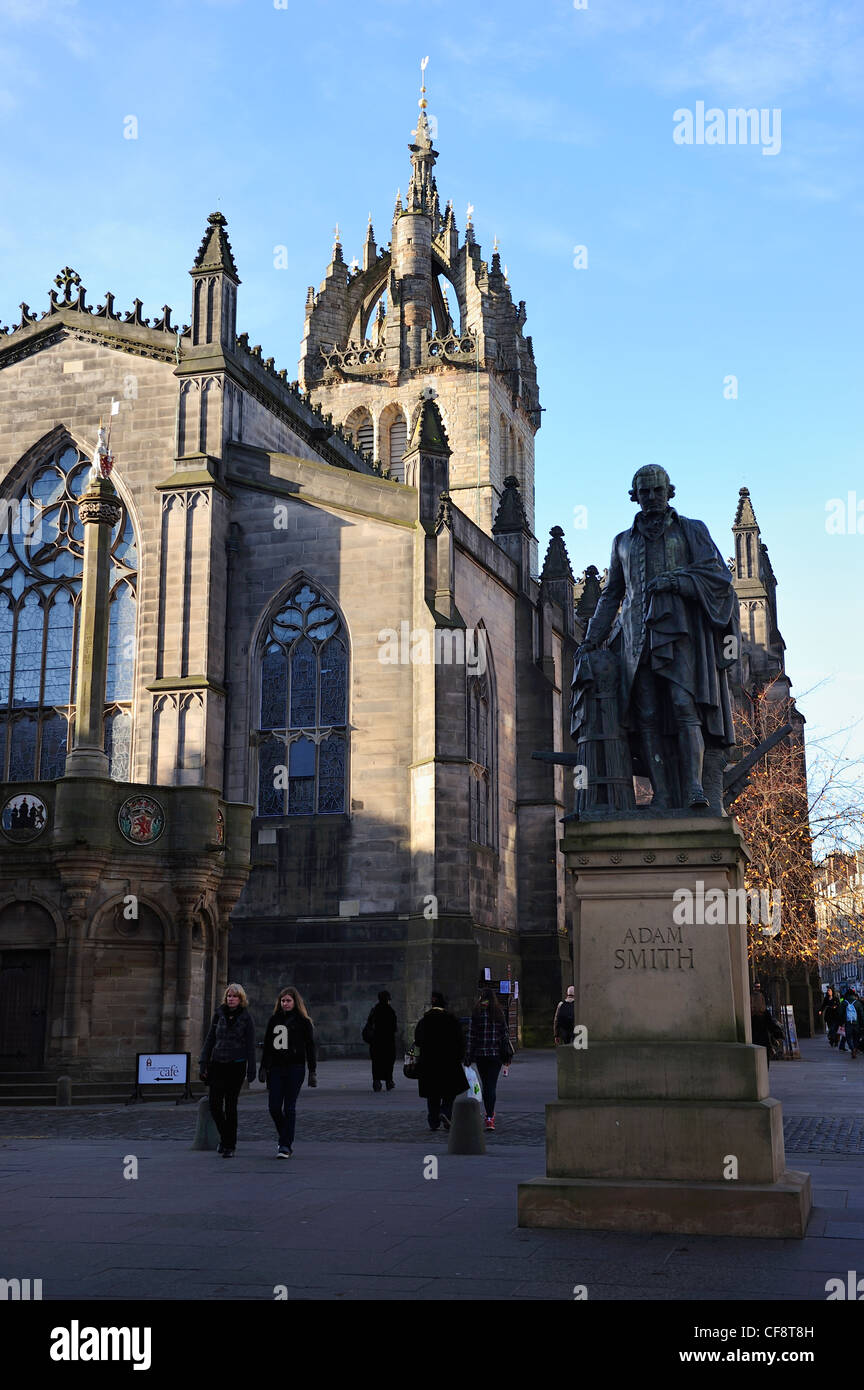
(227, 1056)
(289, 1047)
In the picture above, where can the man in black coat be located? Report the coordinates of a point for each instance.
(440, 1074)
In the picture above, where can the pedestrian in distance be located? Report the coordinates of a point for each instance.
(830, 1015)
(380, 1035)
(440, 1074)
(564, 1022)
(289, 1048)
(228, 1055)
(852, 1021)
(763, 1025)
(488, 1048)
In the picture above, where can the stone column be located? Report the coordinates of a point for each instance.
(99, 511)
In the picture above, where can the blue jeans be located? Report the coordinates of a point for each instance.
(283, 1085)
(488, 1069)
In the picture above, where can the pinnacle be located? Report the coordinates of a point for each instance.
(215, 252)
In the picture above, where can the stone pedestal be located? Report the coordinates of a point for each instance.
(664, 1121)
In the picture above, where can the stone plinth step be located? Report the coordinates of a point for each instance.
(779, 1209)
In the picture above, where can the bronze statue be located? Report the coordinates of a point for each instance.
(671, 616)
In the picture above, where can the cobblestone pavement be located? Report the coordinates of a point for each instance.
(803, 1133)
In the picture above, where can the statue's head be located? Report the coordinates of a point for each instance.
(652, 488)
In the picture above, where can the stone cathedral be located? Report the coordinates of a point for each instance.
(270, 685)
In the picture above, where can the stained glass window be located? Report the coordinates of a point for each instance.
(41, 561)
(302, 750)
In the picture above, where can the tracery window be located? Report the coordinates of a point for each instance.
(481, 743)
(41, 562)
(302, 739)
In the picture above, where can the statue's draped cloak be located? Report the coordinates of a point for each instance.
(684, 636)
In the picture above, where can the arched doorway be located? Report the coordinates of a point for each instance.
(26, 937)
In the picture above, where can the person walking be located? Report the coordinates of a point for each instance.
(289, 1048)
(852, 1021)
(564, 1022)
(380, 1034)
(764, 1026)
(830, 1014)
(228, 1055)
(488, 1048)
(440, 1074)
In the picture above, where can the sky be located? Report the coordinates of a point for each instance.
(712, 322)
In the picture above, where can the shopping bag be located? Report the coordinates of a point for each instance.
(409, 1066)
(475, 1090)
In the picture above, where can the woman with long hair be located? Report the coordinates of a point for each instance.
(289, 1047)
(488, 1047)
(227, 1056)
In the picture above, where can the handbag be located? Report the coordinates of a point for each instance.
(411, 1064)
(475, 1090)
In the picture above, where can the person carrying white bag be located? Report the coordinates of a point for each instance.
(488, 1050)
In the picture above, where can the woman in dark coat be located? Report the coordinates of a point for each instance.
(830, 1012)
(380, 1034)
(440, 1074)
(228, 1055)
(763, 1024)
(289, 1047)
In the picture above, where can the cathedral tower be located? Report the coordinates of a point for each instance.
(376, 334)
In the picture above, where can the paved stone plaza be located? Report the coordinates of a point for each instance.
(351, 1216)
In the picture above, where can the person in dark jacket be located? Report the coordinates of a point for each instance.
(227, 1056)
(851, 1018)
(289, 1047)
(380, 1034)
(440, 1074)
(763, 1024)
(488, 1048)
(564, 1022)
(830, 1015)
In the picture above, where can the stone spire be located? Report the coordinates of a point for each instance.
(556, 578)
(215, 252)
(214, 297)
(511, 514)
(427, 458)
(762, 657)
(370, 250)
(557, 562)
(512, 530)
(422, 195)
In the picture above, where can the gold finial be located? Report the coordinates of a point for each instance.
(495, 244)
(422, 102)
(336, 235)
(470, 212)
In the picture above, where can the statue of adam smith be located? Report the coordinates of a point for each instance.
(679, 629)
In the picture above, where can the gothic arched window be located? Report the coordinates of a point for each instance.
(362, 430)
(41, 561)
(302, 739)
(481, 758)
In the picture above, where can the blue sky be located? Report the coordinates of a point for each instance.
(704, 261)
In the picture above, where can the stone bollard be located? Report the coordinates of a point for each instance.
(206, 1133)
(64, 1090)
(466, 1127)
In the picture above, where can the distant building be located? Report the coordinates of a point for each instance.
(840, 919)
